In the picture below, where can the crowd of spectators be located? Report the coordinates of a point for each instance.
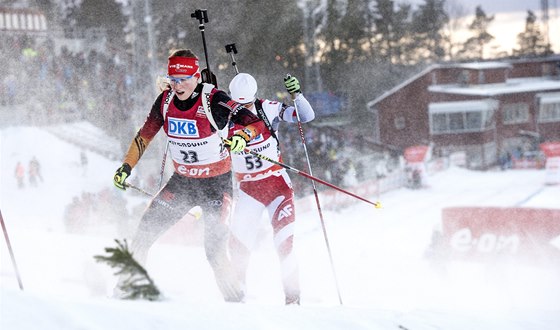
(103, 211)
(57, 85)
(336, 156)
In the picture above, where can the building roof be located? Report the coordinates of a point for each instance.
(461, 106)
(492, 90)
(483, 65)
(549, 97)
(401, 85)
(511, 86)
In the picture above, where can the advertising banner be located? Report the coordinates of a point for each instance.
(416, 154)
(551, 151)
(475, 233)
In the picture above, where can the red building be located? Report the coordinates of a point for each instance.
(484, 109)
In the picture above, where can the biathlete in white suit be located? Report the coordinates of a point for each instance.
(264, 185)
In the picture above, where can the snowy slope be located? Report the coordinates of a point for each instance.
(385, 281)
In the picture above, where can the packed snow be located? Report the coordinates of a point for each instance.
(379, 265)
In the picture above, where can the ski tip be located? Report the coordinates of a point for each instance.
(378, 205)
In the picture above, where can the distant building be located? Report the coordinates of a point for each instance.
(484, 109)
(22, 20)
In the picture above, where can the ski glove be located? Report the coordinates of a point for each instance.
(238, 143)
(292, 84)
(120, 176)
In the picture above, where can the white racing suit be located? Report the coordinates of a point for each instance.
(264, 185)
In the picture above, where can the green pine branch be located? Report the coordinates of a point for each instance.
(136, 283)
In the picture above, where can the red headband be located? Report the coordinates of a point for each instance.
(182, 65)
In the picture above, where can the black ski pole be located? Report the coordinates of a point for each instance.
(202, 16)
(231, 49)
(11, 251)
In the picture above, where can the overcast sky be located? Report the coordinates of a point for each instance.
(500, 6)
(509, 21)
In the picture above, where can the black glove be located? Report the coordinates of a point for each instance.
(120, 176)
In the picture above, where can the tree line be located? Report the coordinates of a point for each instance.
(356, 47)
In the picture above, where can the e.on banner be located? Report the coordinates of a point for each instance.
(483, 233)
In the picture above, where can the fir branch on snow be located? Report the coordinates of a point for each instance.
(135, 282)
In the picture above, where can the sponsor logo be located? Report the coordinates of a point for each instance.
(193, 171)
(179, 66)
(215, 202)
(200, 112)
(257, 139)
(168, 97)
(261, 148)
(285, 212)
(182, 128)
(463, 241)
(164, 204)
(188, 144)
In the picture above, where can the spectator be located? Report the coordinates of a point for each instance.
(34, 172)
(83, 161)
(20, 175)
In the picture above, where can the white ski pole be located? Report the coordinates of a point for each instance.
(162, 171)
(11, 251)
(195, 211)
(302, 136)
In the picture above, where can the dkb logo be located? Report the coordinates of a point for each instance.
(182, 127)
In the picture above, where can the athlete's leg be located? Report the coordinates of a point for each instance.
(165, 209)
(216, 206)
(244, 231)
(282, 213)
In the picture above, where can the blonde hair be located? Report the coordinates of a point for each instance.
(162, 84)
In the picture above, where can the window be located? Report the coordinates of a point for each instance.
(481, 77)
(400, 122)
(515, 113)
(473, 120)
(464, 77)
(549, 112)
(460, 117)
(456, 121)
(439, 122)
(549, 107)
